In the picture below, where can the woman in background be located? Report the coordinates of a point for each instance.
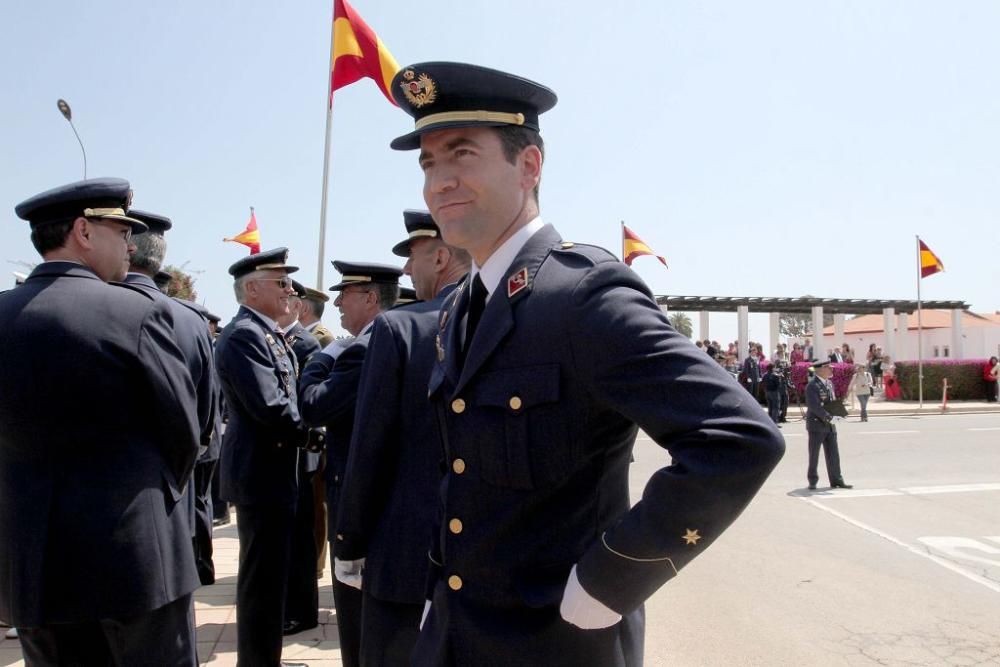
(861, 386)
(889, 381)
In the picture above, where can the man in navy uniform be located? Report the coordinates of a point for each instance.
(329, 388)
(192, 337)
(821, 427)
(551, 355)
(389, 496)
(259, 464)
(302, 597)
(98, 438)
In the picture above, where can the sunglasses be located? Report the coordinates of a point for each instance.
(283, 283)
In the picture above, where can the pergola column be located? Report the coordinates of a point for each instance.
(957, 339)
(743, 326)
(903, 336)
(889, 324)
(817, 342)
(838, 329)
(703, 326)
(775, 331)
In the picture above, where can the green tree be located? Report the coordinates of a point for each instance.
(682, 323)
(181, 285)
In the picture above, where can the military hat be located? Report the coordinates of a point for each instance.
(358, 273)
(406, 295)
(441, 95)
(419, 224)
(162, 279)
(300, 289)
(316, 295)
(107, 198)
(819, 363)
(19, 278)
(157, 224)
(262, 261)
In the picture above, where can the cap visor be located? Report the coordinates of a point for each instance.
(402, 249)
(411, 141)
(138, 226)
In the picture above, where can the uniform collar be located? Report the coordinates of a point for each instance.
(494, 269)
(268, 322)
(136, 278)
(291, 326)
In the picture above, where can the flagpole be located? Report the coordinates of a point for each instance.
(623, 240)
(320, 251)
(920, 336)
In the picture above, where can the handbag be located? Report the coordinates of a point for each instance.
(871, 391)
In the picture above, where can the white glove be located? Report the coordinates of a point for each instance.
(423, 616)
(838, 419)
(583, 610)
(336, 347)
(348, 572)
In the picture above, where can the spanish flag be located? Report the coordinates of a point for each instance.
(358, 52)
(929, 262)
(250, 237)
(633, 246)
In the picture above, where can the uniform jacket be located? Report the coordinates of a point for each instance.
(98, 437)
(389, 495)
(329, 395)
(260, 447)
(322, 334)
(304, 345)
(191, 331)
(572, 354)
(818, 393)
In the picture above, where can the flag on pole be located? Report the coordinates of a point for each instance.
(250, 237)
(633, 246)
(929, 262)
(358, 52)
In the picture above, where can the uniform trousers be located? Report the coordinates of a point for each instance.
(388, 631)
(302, 597)
(204, 472)
(167, 633)
(347, 601)
(774, 405)
(265, 533)
(825, 436)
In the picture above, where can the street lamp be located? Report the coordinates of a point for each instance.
(68, 115)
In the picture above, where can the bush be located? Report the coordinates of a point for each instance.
(842, 374)
(965, 379)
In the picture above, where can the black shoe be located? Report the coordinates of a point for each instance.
(293, 664)
(812, 487)
(295, 627)
(841, 485)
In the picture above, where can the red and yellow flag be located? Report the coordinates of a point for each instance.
(250, 237)
(929, 262)
(633, 246)
(357, 52)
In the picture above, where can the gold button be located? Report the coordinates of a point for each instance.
(567, 244)
(340, 537)
(515, 402)
(455, 526)
(458, 406)
(458, 465)
(455, 582)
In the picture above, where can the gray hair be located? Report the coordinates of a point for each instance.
(386, 293)
(240, 285)
(150, 249)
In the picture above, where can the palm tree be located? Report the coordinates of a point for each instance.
(682, 323)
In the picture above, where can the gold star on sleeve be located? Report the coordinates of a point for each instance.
(691, 536)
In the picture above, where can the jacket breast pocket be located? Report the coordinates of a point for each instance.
(527, 446)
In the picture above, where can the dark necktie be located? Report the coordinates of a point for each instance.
(477, 303)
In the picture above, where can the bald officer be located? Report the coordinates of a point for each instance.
(192, 337)
(259, 464)
(389, 497)
(95, 548)
(329, 389)
(551, 355)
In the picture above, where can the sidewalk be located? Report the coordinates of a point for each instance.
(215, 614)
(878, 406)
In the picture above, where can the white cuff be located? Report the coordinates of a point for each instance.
(348, 572)
(336, 347)
(582, 609)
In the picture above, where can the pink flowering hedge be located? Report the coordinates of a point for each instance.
(965, 379)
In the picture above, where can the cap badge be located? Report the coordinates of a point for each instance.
(517, 282)
(418, 90)
(691, 536)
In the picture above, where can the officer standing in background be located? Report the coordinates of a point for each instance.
(311, 315)
(550, 355)
(329, 388)
(192, 337)
(95, 548)
(821, 427)
(302, 598)
(259, 464)
(389, 497)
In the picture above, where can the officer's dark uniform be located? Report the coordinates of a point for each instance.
(389, 496)
(329, 391)
(259, 464)
(302, 598)
(98, 438)
(191, 330)
(822, 432)
(571, 355)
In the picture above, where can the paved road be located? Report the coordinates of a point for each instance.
(902, 570)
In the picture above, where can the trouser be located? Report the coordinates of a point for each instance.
(166, 633)
(302, 597)
(319, 507)
(991, 390)
(204, 472)
(774, 406)
(220, 508)
(783, 395)
(346, 599)
(265, 534)
(388, 631)
(863, 399)
(825, 436)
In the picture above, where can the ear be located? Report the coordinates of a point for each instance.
(531, 167)
(441, 256)
(80, 232)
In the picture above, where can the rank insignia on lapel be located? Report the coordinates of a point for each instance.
(440, 348)
(517, 282)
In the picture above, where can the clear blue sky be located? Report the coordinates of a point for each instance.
(766, 149)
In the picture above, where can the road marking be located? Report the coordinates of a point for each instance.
(990, 428)
(950, 488)
(882, 432)
(954, 546)
(832, 494)
(982, 581)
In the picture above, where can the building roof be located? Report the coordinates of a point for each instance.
(930, 319)
(803, 304)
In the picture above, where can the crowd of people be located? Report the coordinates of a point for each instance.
(467, 454)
